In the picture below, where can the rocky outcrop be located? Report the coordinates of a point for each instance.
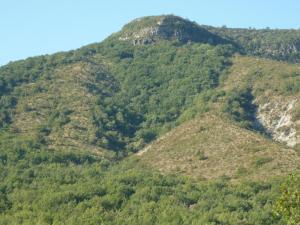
(149, 30)
(277, 118)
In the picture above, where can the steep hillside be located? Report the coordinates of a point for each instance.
(278, 44)
(117, 99)
(119, 95)
(258, 94)
(209, 147)
(57, 106)
(275, 90)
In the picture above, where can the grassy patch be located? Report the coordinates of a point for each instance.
(241, 172)
(260, 161)
(296, 114)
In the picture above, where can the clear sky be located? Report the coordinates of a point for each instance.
(35, 27)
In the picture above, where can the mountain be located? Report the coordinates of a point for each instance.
(97, 134)
(123, 84)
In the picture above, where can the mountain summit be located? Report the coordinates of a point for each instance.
(148, 30)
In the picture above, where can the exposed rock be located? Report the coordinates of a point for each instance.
(149, 30)
(276, 117)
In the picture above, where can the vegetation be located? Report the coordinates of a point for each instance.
(288, 205)
(275, 44)
(130, 101)
(260, 161)
(239, 106)
(39, 186)
(153, 29)
(94, 135)
(209, 147)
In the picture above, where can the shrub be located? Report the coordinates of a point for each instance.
(260, 161)
(288, 205)
(200, 155)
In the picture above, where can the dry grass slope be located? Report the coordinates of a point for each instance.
(209, 147)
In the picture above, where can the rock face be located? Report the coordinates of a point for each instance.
(277, 118)
(149, 30)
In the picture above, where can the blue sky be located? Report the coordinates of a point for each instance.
(35, 27)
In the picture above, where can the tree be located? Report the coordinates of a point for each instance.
(288, 205)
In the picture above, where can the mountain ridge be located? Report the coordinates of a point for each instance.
(259, 42)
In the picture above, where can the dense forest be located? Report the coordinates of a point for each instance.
(44, 187)
(72, 124)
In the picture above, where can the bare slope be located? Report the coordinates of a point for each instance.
(209, 147)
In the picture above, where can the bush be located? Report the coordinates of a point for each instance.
(288, 205)
(200, 155)
(238, 106)
(260, 161)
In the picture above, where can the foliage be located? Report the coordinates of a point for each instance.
(238, 105)
(288, 205)
(200, 155)
(261, 161)
(143, 91)
(60, 113)
(270, 43)
(39, 186)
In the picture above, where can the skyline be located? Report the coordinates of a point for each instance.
(32, 28)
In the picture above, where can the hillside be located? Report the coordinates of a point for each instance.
(208, 147)
(95, 135)
(275, 89)
(118, 99)
(258, 94)
(52, 187)
(279, 44)
(135, 92)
